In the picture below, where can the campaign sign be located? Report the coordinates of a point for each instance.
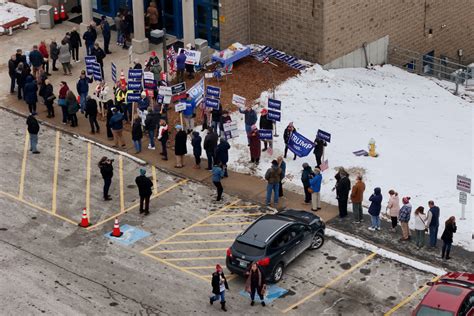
(212, 103)
(90, 59)
(274, 116)
(166, 99)
(135, 74)
(239, 101)
(197, 92)
(148, 75)
(193, 57)
(178, 88)
(230, 130)
(133, 97)
(323, 135)
(300, 145)
(212, 91)
(180, 107)
(164, 90)
(89, 69)
(97, 76)
(265, 134)
(96, 67)
(135, 85)
(149, 84)
(274, 104)
(114, 72)
(159, 98)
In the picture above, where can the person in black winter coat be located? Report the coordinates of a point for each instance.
(12, 72)
(99, 54)
(46, 92)
(110, 113)
(107, 172)
(137, 135)
(151, 123)
(286, 137)
(180, 146)
(197, 150)
(374, 208)
(319, 150)
(447, 237)
(54, 53)
(216, 120)
(31, 89)
(74, 44)
(91, 113)
(343, 186)
(22, 72)
(219, 285)
(222, 154)
(33, 130)
(145, 186)
(265, 123)
(210, 144)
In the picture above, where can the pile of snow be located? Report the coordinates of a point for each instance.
(10, 11)
(423, 134)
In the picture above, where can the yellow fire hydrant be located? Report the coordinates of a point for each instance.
(372, 146)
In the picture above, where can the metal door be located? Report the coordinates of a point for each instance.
(206, 21)
(172, 15)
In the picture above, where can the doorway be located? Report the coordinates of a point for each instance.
(172, 17)
(206, 18)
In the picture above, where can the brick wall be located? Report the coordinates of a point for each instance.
(234, 22)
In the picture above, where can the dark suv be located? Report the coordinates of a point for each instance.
(273, 241)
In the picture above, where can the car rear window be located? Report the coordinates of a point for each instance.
(455, 291)
(429, 311)
(248, 249)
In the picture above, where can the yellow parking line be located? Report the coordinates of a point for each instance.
(196, 241)
(211, 233)
(239, 215)
(175, 266)
(88, 180)
(122, 202)
(155, 183)
(199, 268)
(224, 224)
(191, 226)
(185, 250)
(138, 204)
(412, 296)
(23, 166)
(195, 258)
(55, 176)
(330, 283)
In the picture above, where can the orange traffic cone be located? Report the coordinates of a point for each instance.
(62, 13)
(56, 15)
(85, 219)
(116, 232)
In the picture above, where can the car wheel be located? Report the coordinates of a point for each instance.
(277, 273)
(317, 242)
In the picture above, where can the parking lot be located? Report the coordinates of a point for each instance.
(163, 265)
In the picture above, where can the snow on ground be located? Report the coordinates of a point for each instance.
(10, 11)
(423, 134)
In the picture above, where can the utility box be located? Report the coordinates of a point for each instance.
(203, 47)
(45, 16)
(156, 36)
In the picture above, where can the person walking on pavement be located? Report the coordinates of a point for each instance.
(30, 94)
(250, 119)
(116, 124)
(180, 65)
(65, 57)
(265, 123)
(91, 113)
(433, 223)
(282, 165)
(12, 72)
(219, 285)
(393, 208)
(180, 148)
(375, 208)
(343, 186)
(222, 154)
(105, 26)
(74, 44)
(404, 218)
(255, 145)
(82, 87)
(48, 97)
(197, 150)
(107, 172)
(145, 186)
(217, 176)
(286, 137)
(420, 226)
(33, 130)
(255, 283)
(163, 135)
(72, 108)
(447, 237)
(54, 53)
(315, 186)
(210, 144)
(357, 196)
(306, 176)
(319, 145)
(137, 135)
(273, 176)
(63, 89)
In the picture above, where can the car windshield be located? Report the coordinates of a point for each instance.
(248, 250)
(429, 311)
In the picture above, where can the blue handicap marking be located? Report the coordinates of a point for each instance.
(130, 235)
(273, 292)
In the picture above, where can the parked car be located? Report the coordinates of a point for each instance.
(451, 295)
(273, 241)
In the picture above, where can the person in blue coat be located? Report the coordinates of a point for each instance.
(250, 118)
(104, 24)
(180, 66)
(89, 40)
(189, 114)
(36, 60)
(197, 150)
(374, 208)
(217, 175)
(30, 96)
(116, 125)
(82, 87)
(222, 154)
(315, 186)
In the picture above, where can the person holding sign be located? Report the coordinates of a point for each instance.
(163, 136)
(319, 145)
(286, 137)
(265, 123)
(181, 65)
(250, 118)
(99, 54)
(180, 146)
(189, 114)
(255, 145)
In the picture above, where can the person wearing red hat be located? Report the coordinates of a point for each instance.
(219, 285)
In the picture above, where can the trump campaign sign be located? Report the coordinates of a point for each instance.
(300, 145)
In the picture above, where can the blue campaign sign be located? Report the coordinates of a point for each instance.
(323, 135)
(96, 67)
(97, 76)
(135, 85)
(149, 84)
(274, 104)
(265, 134)
(274, 116)
(135, 74)
(133, 97)
(130, 235)
(114, 72)
(160, 98)
(273, 292)
(212, 103)
(212, 91)
(300, 145)
(89, 69)
(90, 59)
(196, 92)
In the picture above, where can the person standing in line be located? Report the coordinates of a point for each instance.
(22, 72)
(265, 123)
(315, 186)
(420, 226)
(12, 72)
(63, 89)
(102, 94)
(49, 97)
(89, 40)
(104, 25)
(145, 186)
(393, 208)
(217, 176)
(222, 154)
(306, 176)
(343, 186)
(31, 97)
(137, 135)
(116, 124)
(33, 130)
(282, 165)
(255, 145)
(65, 58)
(375, 208)
(433, 223)
(319, 145)
(404, 218)
(216, 118)
(255, 283)
(72, 108)
(91, 113)
(250, 119)
(99, 54)
(210, 144)
(219, 285)
(107, 172)
(163, 135)
(447, 237)
(273, 176)
(36, 61)
(180, 66)
(289, 130)
(82, 87)
(151, 121)
(74, 44)
(197, 150)
(44, 52)
(189, 114)
(357, 196)
(54, 53)
(180, 148)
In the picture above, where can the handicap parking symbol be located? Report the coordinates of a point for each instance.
(130, 235)
(273, 292)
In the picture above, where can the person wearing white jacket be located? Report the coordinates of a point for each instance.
(102, 95)
(393, 208)
(420, 226)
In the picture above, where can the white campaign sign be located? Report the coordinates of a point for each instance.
(180, 107)
(193, 57)
(148, 75)
(239, 101)
(165, 91)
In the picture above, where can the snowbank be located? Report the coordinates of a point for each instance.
(10, 11)
(423, 134)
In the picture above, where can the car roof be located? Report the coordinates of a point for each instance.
(303, 216)
(263, 229)
(446, 295)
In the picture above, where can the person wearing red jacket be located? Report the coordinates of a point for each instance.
(44, 52)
